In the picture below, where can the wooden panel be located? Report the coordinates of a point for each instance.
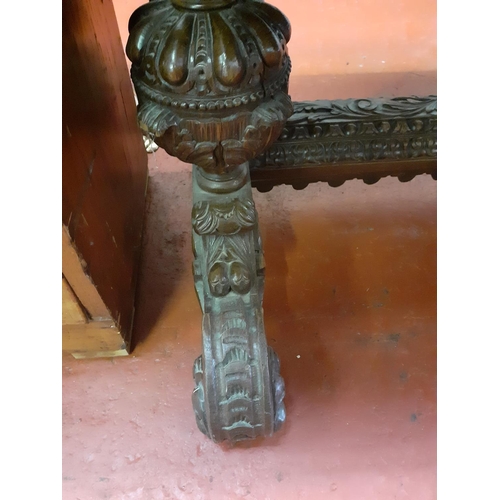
(74, 271)
(94, 339)
(72, 313)
(104, 164)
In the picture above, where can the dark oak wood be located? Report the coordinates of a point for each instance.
(212, 83)
(211, 78)
(104, 168)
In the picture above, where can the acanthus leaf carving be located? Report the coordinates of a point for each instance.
(223, 218)
(356, 132)
(346, 110)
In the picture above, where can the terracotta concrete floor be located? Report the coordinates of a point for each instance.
(350, 308)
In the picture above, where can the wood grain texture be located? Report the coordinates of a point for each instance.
(94, 339)
(104, 164)
(72, 312)
(73, 268)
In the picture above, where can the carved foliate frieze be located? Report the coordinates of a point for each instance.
(352, 110)
(355, 130)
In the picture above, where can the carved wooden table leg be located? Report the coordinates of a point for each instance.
(211, 78)
(239, 392)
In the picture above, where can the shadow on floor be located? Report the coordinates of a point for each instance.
(165, 243)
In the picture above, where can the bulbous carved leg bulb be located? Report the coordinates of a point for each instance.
(211, 77)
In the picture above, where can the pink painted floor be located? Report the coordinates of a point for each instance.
(350, 308)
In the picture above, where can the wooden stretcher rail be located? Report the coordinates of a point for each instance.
(335, 141)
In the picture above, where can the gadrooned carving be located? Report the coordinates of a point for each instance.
(212, 83)
(205, 60)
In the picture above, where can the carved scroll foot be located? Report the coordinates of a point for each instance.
(238, 391)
